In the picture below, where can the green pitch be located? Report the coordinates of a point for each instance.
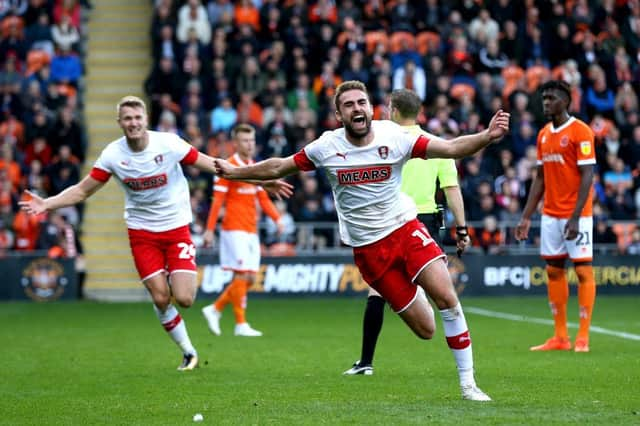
(91, 363)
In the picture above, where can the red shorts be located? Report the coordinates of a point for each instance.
(167, 251)
(391, 264)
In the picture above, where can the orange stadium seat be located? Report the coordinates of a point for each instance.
(36, 59)
(373, 38)
(623, 231)
(10, 21)
(460, 90)
(536, 75)
(399, 39)
(427, 42)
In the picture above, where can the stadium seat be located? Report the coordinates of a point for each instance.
(459, 90)
(373, 38)
(401, 40)
(36, 59)
(624, 231)
(427, 42)
(8, 22)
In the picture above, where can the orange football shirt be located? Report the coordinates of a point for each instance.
(241, 203)
(561, 152)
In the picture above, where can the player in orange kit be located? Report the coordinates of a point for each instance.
(566, 162)
(239, 244)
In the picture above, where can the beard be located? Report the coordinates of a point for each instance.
(353, 133)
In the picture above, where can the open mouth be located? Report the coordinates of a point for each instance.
(359, 119)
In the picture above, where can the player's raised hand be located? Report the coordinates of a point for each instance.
(522, 229)
(278, 188)
(499, 125)
(34, 204)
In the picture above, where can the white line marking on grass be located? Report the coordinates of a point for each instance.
(522, 318)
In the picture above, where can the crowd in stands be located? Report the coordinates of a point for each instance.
(275, 64)
(42, 140)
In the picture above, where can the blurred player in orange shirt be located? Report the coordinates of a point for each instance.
(239, 244)
(566, 162)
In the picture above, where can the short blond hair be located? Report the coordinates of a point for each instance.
(132, 102)
(242, 128)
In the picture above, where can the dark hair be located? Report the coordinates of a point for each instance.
(560, 85)
(407, 102)
(345, 87)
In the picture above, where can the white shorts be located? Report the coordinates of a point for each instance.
(239, 251)
(553, 244)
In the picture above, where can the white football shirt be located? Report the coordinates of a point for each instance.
(366, 180)
(156, 191)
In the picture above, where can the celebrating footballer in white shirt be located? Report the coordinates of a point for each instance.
(147, 165)
(393, 250)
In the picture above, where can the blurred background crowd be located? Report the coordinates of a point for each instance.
(275, 64)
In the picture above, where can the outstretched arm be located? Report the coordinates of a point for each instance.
(278, 188)
(272, 168)
(72, 195)
(464, 146)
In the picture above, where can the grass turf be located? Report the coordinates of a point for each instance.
(95, 363)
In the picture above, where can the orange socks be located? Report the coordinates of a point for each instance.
(558, 293)
(586, 298)
(224, 299)
(236, 294)
(239, 299)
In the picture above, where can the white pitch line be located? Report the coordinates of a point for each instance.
(522, 318)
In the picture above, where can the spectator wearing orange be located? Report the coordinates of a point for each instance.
(490, 237)
(27, 229)
(245, 13)
(325, 83)
(323, 11)
(249, 109)
(12, 130)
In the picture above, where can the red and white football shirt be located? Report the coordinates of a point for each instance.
(156, 191)
(366, 180)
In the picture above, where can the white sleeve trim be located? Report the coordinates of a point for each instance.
(587, 161)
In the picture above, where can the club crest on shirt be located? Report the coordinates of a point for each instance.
(158, 159)
(564, 141)
(383, 151)
(585, 147)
